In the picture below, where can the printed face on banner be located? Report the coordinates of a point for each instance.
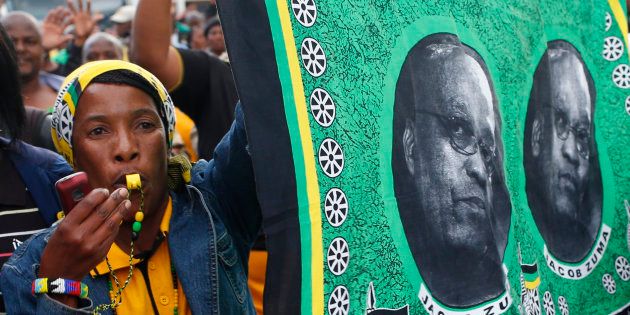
(564, 187)
(448, 171)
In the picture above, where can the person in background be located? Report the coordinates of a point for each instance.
(65, 31)
(197, 38)
(39, 88)
(185, 141)
(32, 44)
(201, 85)
(122, 22)
(28, 202)
(195, 21)
(214, 36)
(102, 46)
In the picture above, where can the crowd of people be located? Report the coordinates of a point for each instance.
(100, 94)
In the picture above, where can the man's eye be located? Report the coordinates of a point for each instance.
(583, 135)
(456, 126)
(97, 131)
(147, 125)
(560, 121)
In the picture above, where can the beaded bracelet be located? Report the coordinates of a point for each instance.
(60, 286)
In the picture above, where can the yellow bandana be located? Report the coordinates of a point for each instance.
(75, 84)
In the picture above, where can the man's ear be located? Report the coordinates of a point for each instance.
(408, 144)
(536, 132)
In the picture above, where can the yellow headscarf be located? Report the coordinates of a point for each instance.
(76, 83)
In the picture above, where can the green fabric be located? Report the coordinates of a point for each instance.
(365, 45)
(61, 58)
(530, 277)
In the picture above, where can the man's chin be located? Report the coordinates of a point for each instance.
(565, 209)
(27, 74)
(472, 247)
(467, 264)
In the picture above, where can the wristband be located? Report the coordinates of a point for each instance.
(60, 286)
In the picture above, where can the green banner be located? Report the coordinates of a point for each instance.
(446, 157)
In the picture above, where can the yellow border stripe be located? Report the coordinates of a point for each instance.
(312, 186)
(620, 18)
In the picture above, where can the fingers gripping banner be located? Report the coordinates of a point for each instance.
(438, 157)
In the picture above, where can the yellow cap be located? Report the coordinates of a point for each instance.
(133, 181)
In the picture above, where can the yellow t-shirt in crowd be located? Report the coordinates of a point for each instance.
(136, 298)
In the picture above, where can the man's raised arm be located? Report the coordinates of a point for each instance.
(150, 42)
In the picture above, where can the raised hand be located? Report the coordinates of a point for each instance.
(53, 27)
(84, 21)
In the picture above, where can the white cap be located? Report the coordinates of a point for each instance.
(124, 14)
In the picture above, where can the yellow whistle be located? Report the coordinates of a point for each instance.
(133, 181)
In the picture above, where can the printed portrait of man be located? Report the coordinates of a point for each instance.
(447, 162)
(563, 180)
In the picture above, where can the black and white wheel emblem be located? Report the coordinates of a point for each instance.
(322, 107)
(339, 301)
(304, 11)
(534, 305)
(609, 284)
(621, 76)
(313, 57)
(563, 305)
(336, 207)
(331, 158)
(608, 21)
(548, 304)
(613, 48)
(628, 111)
(65, 123)
(338, 256)
(534, 301)
(623, 268)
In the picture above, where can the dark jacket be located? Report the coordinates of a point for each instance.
(39, 169)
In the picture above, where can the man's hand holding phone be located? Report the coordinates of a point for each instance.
(83, 238)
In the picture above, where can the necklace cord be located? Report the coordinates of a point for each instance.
(116, 298)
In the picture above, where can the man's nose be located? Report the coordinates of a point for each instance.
(476, 168)
(19, 45)
(126, 147)
(570, 149)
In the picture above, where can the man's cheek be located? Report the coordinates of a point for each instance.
(583, 172)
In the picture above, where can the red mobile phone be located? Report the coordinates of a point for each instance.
(71, 189)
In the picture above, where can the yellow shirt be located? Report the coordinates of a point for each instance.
(185, 127)
(136, 298)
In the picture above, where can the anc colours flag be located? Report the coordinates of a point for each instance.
(531, 278)
(409, 155)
